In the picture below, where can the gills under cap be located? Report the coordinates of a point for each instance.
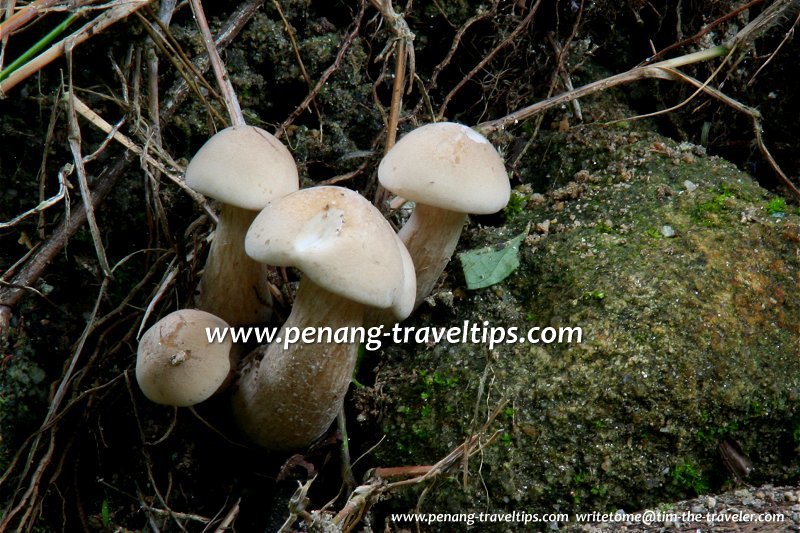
(243, 166)
(449, 166)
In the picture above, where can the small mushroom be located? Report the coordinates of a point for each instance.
(177, 365)
(288, 394)
(244, 168)
(449, 170)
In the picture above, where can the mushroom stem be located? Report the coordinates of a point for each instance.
(291, 396)
(234, 287)
(431, 235)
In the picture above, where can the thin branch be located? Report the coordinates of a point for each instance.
(44, 204)
(160, 36)
(704, 30)
(659, 70)
(12, 291)
(224, 82)
(236, 21)
(667, 69)
(431, 85)
(402, 46)
(86, 195)
(333, 67)
(174, 172)
(24, 16)
(112, 15)
(230, 516)
(489, 57)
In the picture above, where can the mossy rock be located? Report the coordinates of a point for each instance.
(683, 275)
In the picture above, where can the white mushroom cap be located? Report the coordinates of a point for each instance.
(338, 239)
(175, 363)
(449, 166)
(404, 303)
(243, 166)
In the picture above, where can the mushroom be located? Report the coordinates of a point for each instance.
(244, 168)
(449, 170)
(177, 365)
(351, 260)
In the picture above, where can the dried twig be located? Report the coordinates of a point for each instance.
(224, 82)
(486, 60)
(757, 129)
(333, 67)
(704, 30)
(113, 14)
(660, 70)
(169, 168)
(24, 16)
(229, 517)
(293, 40)
(44, 204)
(165, 42)
(432, 83)
(15, 288)
(561, 70)
(83, 182)
(368, 493)
(243, 13)
(668, 70)
(11, 293)
(402, 47)
(177, 515)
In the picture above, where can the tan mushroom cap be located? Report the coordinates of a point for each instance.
(339, 240)
(449, 166)
(175, 363)
(404, 303)
(243, 166)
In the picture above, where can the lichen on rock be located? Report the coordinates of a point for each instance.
(689, 337)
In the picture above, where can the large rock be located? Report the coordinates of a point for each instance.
(683, 275)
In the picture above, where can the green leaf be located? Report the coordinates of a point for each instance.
(105, 514)
(486, 266)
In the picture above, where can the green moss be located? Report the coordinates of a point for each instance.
(776, 206)
(515, 206)
(594, 295)
(688, 476)
(712, 434)
(709, 212)
(695, 344)
(653, 233)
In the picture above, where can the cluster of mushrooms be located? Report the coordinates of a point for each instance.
(356, 271)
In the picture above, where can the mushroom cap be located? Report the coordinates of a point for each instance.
(175, 363)
(243, 166)
(449, 166)
(339, 240)
(404, 303)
